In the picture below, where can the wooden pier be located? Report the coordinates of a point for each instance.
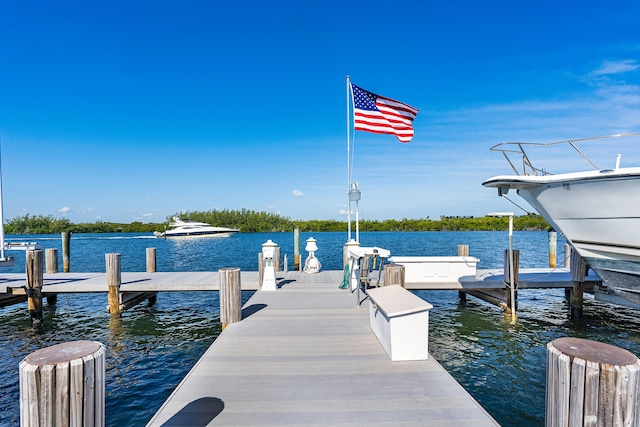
(14, 283)
(306, 355)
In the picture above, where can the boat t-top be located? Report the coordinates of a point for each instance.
(187, 228)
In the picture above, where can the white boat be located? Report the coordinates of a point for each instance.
(187, 228)
(598, 210)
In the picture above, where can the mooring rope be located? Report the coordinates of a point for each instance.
(345, 278)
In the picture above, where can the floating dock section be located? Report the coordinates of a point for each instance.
(305, 354)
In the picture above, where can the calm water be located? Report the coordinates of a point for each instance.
(151, 348)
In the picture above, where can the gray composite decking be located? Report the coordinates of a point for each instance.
(305, 355)
(13, 283)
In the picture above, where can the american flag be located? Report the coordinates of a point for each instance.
(377, 114)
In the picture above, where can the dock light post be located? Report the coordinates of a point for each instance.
(269, 275)
(511, 272)
(354, 196)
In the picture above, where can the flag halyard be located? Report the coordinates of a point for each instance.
(379, 114)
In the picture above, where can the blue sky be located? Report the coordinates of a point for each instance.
(134, 110)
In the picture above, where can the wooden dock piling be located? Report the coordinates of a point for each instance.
(66, 249)
(51, 257)
(151, 260)
(463, 250)
(590, 383)
(64, 385)
(296, 249)
(394, 275)
(35, 280)
(151, 268)
(119, 301)
(260, 268)
(230, 296)
(51, 266)
(579, 269)
(114, 281)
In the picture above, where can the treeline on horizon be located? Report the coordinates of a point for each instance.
(249, 221)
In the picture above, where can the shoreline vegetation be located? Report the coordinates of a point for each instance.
(249, 221)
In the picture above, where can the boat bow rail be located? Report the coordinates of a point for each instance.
(518, 154)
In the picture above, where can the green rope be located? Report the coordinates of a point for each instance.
(346, 278)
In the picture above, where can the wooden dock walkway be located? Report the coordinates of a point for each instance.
(131, 282)
(305, 355)
(13, 283)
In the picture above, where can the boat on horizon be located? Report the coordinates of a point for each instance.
(187, 228)
(596, 210)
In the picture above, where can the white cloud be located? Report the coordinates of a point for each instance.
(297, 193)
(616, 67)
(64, 210)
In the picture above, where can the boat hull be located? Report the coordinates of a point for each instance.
(198, 235)
(597, 212)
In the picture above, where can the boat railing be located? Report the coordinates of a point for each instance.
(520, 161)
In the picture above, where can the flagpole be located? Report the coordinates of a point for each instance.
(2, 256)
(348, 162)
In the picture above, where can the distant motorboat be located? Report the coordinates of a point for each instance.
(187, 228)
(596, 210)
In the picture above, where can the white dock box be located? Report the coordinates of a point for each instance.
(400, 320)
(436, 269)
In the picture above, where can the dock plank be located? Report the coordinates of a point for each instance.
(307, 356)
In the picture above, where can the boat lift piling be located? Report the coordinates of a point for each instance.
(505, 298)
(578, 270)
(510, 280)
(512, 265)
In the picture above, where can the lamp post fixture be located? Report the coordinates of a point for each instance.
(354, 196)
(511, 272)
(312, 264)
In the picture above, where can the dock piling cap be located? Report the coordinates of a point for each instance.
(594, 351)
(64, 352)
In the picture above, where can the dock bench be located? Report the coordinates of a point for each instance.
(400, 321)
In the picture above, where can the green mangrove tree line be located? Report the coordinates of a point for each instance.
(249, 221)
